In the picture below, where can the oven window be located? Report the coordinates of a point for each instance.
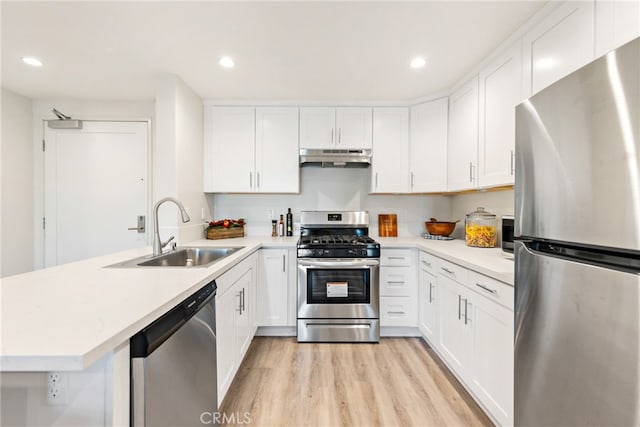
(338, 286)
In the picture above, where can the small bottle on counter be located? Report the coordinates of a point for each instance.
(289, 223)
(281, 226)
(274, 228)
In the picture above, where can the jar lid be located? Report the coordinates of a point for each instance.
(482, 213)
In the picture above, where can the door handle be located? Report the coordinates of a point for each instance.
(513, 161)
(339, 135)
(459, 301)
(250, 179)
(239, 309)
(243, 309)
(332, 131)
(284, 258)
(412, 174)
(430, 292)
(466, 305)
(141, 224)
(257, 179)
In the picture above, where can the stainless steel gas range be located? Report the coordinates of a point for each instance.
(338, 278)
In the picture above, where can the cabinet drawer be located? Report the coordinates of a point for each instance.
(396, 257)
(398, 311)
(493, 289)
(428, 263)
(397, 281)
(453, 271)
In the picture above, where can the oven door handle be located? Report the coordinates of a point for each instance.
(342, 263)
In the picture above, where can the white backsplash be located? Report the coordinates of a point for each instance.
(330, 189)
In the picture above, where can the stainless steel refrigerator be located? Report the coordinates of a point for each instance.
(577, 284)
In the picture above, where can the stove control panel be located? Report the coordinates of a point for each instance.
(339, 253)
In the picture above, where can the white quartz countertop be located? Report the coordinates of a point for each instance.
(68, 317)
(487, 261)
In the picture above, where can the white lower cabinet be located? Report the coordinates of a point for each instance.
(468, 319)
(428, 294)
(398, 288)
(234, 326)
(455, 334)
(492, 370)
(273, 287)
(398, 311)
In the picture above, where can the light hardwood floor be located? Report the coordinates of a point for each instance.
(398, 382)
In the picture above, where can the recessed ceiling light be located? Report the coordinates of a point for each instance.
(226, 62)
(418, 62)
(30, 60)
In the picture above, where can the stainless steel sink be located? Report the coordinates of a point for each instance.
(182, 257)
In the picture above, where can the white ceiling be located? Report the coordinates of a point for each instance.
(283, 50)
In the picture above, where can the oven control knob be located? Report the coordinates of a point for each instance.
(363, 252)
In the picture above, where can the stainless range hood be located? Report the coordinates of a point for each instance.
(334, 158)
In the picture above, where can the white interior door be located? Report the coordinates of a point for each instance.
(96, 185)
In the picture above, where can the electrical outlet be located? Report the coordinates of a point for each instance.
(56, 388)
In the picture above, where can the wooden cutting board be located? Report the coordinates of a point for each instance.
(387, 225)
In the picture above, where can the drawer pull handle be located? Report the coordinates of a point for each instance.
(400, 313)
(493, 291)
(395, 257)
(428, 264)
(396, 282)
(447, 270)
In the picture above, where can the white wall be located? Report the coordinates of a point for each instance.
(17, 247)
(23, 398)
(328, 189)
(496, 202)
(84, 110)
(179, 168)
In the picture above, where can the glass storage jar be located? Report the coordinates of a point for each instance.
(481, 229)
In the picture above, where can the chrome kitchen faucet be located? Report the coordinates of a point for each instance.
(157, 243)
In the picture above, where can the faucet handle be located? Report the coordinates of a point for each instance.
(163, 244)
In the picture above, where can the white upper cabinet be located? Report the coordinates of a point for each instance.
(500, 86)
(428, 146)
(229, 149)
(390, 164)
(337, 128)
(559, 45)
(354, 127)
(249, 150)
(462, 154)
(317, 127)
(617, 22)
(277, 153)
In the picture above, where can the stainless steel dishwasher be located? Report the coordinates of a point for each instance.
(173, 365)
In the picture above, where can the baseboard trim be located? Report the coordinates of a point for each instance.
(276, 331)
(399, 331)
